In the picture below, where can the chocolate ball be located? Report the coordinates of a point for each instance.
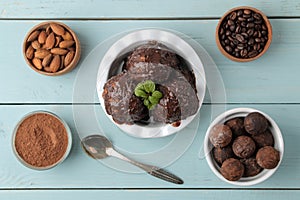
(263, 139)
(220, 135)
(237, 126)
(222, 154)
(232, 169)
(267, 157)
(251, 167)
(255, 123)
(243, 146)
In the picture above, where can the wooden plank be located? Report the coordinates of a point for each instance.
(80, 171)
(273, 78)
(149, 194)
(138, 9)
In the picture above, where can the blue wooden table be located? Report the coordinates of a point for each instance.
(270, 84)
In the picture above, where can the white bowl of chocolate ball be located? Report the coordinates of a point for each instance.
(151, 83)
(243, 146)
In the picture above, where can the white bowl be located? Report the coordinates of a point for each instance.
(265, 173)
(127, 44)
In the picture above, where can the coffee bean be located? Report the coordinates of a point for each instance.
(264, 33)
(238, 29)
(251, 41)
(262, 40)
(252, 54)
(259, 34)
(239, 13)
(221, 31)
(257, 21)
(250, 25)
(228, 33)
(243, 52)
(244, 30)
(233, 16)
(257, 27)
(232, 27)
(243, 24)
(245, 35)
(240, 38)
(230, 38)
(241, 19)
(250, 32)
(246, 16)
(257, 16)
(264, 27)
(226, 42)
(228, 49)
(247, 12)
(235, 41)
(230, 22)
(251, 19)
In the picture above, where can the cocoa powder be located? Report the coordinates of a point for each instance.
(41, 140)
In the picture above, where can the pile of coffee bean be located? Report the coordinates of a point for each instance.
(243, 33)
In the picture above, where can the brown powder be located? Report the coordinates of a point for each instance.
(41, 140)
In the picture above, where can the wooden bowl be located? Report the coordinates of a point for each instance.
(240, 59)
(71, 63)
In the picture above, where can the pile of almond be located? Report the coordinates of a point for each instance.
(50, 48)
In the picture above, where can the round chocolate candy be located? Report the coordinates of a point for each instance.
(222, 154)
(220, 135)
(263, 139)
(255, 123)
(243, 146)
(267, 157)
(232, 169)
(251, 167)
(237, 126)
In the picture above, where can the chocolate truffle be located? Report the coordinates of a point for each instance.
(251, 167)
(232, 169)
(220, 135)
(243, 146)
(267, 157)
(222, 154)
(237, 126)
(263, 139)
(255, 123)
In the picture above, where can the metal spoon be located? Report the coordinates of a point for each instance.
(99, 147)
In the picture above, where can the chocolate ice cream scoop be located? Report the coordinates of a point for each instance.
(268, 157)
(255, 123)
(243, 146)
(232, 169)
(220, 135)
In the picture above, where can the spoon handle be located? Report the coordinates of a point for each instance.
(152, 170)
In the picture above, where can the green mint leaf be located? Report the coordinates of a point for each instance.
(157, 94)
(146, 102)
(149, 86)
(140, 86)
(140, 93)
(153, 100)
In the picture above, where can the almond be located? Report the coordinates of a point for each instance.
(55, 63)
(57, 29)
(33, 36)
(47, 60)
(69, 57)
(50, 41)
(59, 51)
(62, 58)
(41, 53)
(66, 44)
(48, 30)
(37, 63)
(35, 44)
(42, 37)
(67, 36)
(29, 52)
(57, 41)
(47, 69)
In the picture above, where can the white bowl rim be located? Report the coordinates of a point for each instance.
(244, 181)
